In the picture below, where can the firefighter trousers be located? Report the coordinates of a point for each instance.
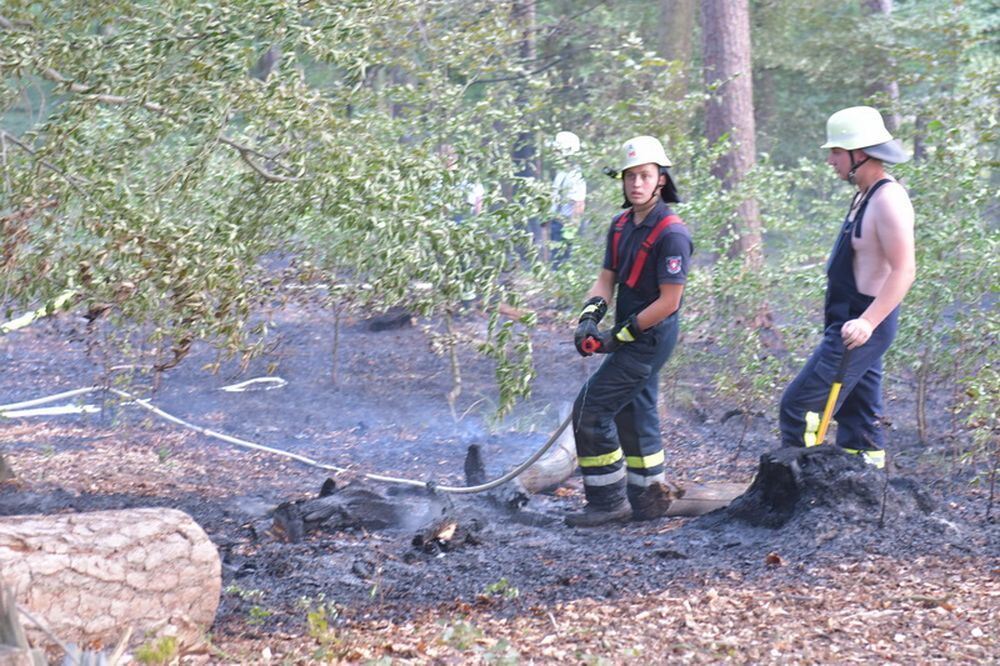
(859, 407)
(615, 419)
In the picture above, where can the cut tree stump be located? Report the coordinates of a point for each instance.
(798, 483)
(90, 576)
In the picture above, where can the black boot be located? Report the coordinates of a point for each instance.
(594, 515)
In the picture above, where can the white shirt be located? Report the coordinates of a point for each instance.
(568, 187)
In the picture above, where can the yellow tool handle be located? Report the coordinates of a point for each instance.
(831, 401)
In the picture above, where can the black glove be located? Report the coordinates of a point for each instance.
(586, 338)
(623, 333)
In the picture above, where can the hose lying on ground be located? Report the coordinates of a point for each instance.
(429, 485)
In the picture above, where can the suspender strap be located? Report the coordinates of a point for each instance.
(860, 213)
(619, 225)
(647, 245)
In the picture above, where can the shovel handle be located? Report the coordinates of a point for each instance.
(591, 344)
(831, 400)
(842, 368)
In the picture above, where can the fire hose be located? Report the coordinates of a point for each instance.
(236, 441)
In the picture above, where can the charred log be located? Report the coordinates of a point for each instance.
(475, 468)
(393, 319)
(510, 497)
(354, 506)
(447, 535)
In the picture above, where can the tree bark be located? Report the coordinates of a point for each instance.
(90, 576)
(725, 32)
(883, 83)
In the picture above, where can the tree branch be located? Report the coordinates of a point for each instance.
(72, 180)
(245, 154)
(515, 77)
(55, 76)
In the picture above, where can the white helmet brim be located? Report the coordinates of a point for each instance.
(890, 152)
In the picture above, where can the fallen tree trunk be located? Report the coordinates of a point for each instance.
(90, 576)
(693, 499)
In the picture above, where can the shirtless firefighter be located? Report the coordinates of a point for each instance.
(869, 272)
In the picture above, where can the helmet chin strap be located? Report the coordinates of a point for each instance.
(655, 194)
(855, 166)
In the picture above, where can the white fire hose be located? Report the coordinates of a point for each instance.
(429, 485)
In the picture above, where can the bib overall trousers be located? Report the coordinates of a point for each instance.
(860, 404)
(615, 419)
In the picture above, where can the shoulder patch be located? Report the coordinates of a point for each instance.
(674, 265)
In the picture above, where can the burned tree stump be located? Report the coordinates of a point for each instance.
(89, 576)
(792, 481)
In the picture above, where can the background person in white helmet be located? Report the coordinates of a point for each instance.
(569, 200)
(470, 191)
(869, 272)
(615, 417)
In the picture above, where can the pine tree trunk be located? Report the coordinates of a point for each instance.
(726, 52)
(90, 576)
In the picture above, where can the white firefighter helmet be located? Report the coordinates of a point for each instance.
(567, 143)
(862, 128)
(643, 150)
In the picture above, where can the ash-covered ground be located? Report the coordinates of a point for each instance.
(380, 407)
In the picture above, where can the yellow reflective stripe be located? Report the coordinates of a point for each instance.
(812, 425)
(645, 462)
(601, 461)
(590, 308)
(874, 458)
(625, 335)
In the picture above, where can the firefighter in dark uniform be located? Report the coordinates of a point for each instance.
(615, 419)
(869, 271)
